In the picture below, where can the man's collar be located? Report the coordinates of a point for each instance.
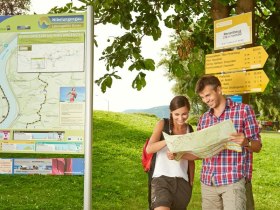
(229, 103)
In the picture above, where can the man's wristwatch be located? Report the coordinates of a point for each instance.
(249, 143)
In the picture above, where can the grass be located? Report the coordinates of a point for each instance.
(266, 173)
(119, 182)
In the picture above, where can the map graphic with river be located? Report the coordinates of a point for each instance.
(33, 68)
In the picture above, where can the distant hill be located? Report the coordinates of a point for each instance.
(159, 111)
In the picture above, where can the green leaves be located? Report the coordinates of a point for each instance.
(106, 81)
(18, 7)
(139, 82)
(68, 8)
(122, 49)
(147, 64)
(176, 68)
(195, 67)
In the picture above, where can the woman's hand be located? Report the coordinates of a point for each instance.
(170, 155)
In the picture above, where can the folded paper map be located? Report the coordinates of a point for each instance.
(204, 143)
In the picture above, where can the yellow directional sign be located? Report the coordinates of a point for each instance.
(236, 60)
(243, 82)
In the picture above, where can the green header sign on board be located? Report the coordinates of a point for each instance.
(47, 22)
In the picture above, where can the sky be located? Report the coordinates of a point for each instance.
(122, 96)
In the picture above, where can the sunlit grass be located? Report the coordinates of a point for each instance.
(119, 182)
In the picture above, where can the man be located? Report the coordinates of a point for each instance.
(223, 176)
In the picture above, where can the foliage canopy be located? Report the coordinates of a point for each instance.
(192, 22)
(14, 7)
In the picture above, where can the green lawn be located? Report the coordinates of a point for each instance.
(119, 182)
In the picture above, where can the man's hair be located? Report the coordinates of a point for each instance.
(207, 80)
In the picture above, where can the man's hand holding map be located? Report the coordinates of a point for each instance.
(204, 143)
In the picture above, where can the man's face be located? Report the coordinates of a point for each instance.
(210, 96)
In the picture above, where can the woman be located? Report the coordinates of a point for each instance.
(172, 180)
(72, 95)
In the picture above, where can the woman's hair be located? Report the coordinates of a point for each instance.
(207, 80)
(176, 103)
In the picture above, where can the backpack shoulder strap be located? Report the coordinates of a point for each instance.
(166, 127)
(190, 128)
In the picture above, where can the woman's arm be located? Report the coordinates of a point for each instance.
(155, 144)
(189, 156)
(191, 170)
(186, 156)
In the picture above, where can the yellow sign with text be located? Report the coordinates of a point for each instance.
(233, 31)
(243, 82)
(236, 60)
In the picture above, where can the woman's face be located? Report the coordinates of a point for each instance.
(180, 115)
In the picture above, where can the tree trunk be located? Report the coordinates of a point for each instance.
(244, 6)
(218, 10)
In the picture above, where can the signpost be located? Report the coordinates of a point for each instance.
(236, 98)
(233, 31)
(247, 58)
(230, 66)
(243, 82)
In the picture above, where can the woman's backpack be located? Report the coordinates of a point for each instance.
(146, 158)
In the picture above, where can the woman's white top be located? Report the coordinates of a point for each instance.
(170, 168)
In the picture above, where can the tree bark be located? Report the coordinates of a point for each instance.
(243, 6)
(218, 10)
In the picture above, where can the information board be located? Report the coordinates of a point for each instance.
(42, 83)
(42, 166)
